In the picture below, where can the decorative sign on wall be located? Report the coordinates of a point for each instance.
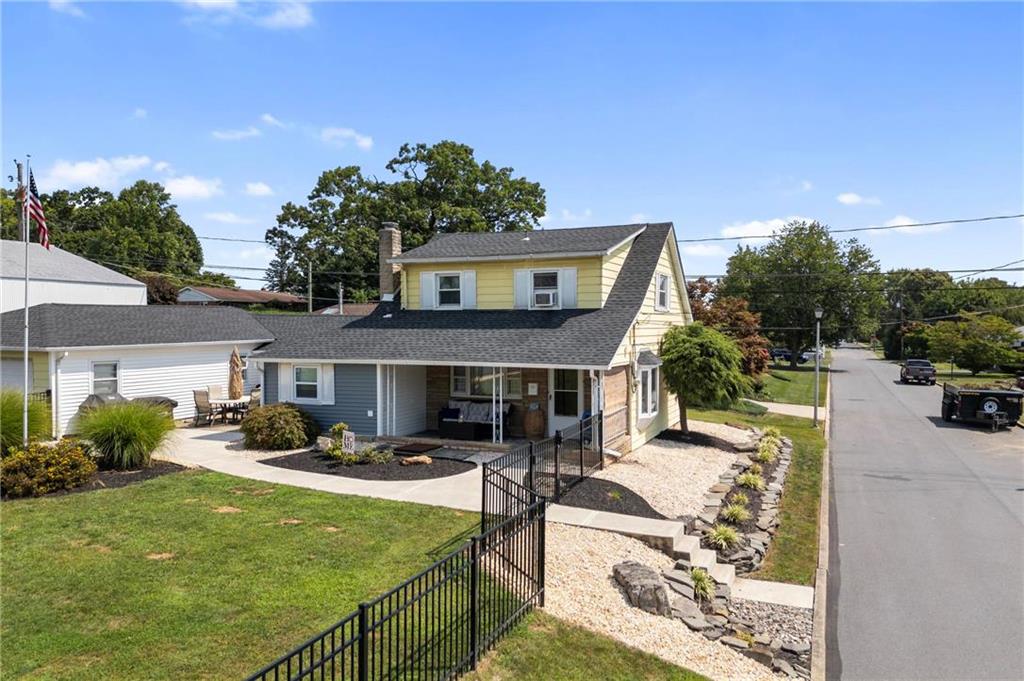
(348, 442)
(531, 388)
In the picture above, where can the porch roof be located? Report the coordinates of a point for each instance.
(575, 338)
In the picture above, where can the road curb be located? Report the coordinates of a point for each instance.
(818, 655)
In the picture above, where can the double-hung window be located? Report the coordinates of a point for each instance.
(662, 300)
(307, 383)
(544, 293)
(449, 290)
(105, 377)
(649, 390)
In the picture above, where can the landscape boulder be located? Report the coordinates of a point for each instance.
(643, 587)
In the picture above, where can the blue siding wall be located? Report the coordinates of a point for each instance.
(355, 393)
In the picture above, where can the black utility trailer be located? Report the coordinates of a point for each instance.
(996, 407)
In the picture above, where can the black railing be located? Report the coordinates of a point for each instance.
(41, 396)
(437, 624)
(546, 468)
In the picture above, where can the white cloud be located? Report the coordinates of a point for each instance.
(806, 185)
(192, 187)
(287, 15)
(340, 137)
(854, 199)
(228, 218)
(703, 250)
(758, 228)
(261, 254)
(268, 119)
(67, 7)
(907, 220)
(105, 173)
(639, 217)
(162, 167)
(258, 189)
(139, 112)
(235, 135)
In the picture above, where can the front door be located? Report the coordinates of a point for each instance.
(565, 398)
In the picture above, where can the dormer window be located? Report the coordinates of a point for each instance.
(449, 290)
(661, 302)
(545, 289)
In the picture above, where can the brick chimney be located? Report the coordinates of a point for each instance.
(390, 247)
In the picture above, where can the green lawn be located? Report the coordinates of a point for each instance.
(196, 575)
(795, 386)
(546, 649)
(793, 556)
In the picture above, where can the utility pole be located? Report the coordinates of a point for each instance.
(309, 285)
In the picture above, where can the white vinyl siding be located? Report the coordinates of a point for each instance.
(73, 292)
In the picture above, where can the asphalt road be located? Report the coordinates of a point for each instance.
(926, 566)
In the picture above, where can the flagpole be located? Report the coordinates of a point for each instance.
(28, 228)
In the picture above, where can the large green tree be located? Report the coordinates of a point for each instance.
(435, 189)
(701, 366)
(731, 316)
(976, 342)
(800, 268)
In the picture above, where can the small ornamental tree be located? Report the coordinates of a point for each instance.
(701, 366)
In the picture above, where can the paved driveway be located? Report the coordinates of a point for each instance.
(927, 528)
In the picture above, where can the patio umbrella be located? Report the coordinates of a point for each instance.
(235, 376)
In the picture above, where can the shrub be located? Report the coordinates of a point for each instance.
(773, 432)
(722, 537)
(750, 480)
(341, 456)
(45, 468)
(703, 584)
(11, 403)
(125, 434)
(371, 454)
(279, 426)
(337, 429)
(735, 513)
(740, 498)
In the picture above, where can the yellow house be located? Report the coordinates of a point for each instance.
(562, 322)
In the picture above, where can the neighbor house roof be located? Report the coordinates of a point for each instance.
(234, 295)
(350, 309)
(56, 264)
(581, 338)
(515, 245)
(61, 326)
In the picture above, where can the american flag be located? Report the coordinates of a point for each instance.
(35, 211)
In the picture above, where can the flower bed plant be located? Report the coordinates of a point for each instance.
(279, 426)
(40, 469)
(125, 434)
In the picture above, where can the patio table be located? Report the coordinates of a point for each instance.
(224, 406)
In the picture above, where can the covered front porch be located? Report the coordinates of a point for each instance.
(452, 405)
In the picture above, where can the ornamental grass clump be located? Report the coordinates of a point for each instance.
(279, 426)
(703, 584)
(735, 514)
(11, 404)
(125, 434)
(722, 537)
(739, 498)
(41, 469)
(750, 480)
(767, 450)
(755, 469)
(773, 432)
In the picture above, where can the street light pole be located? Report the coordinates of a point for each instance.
(817, 358)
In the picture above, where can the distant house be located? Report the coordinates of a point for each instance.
(213, 295)
(57, 276)
(349, 309)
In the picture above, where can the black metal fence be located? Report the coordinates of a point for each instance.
(437, 624)
(546, 468)
(41, 396)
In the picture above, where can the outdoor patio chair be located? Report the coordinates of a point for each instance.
(204, 410)
(254, 401)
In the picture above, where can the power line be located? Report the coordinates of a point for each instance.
(225, 238)
(1004, 268)
(956, 314)
(873, 228)
(1000, 268)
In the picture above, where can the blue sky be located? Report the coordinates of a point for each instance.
(725, 119)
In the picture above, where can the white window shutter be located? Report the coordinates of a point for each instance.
(567, 287)
(327, 384)
(427, 291)
(468, 283)
(285, 383)
(522, 289)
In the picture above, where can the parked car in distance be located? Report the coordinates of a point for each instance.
(917, 370)
(784, 355)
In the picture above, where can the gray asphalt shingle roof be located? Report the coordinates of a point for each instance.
(56, 325)
(586, 338)
(56, 264)
(583, 240)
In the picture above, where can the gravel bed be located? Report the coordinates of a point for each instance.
(672, 476)
(733, 435)
(792, 625)
(580, 589)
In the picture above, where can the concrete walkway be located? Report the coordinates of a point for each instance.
(785, 408)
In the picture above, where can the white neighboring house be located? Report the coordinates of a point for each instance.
(136, 351)
(56, 276)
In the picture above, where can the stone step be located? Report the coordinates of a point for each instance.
(703, 558)
(683, 545)
(723, 573)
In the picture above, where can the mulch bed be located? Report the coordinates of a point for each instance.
(315, 462)
(114, 479)
(694, 438)
(754, 504)
(603, 495)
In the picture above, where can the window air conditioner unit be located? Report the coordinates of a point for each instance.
(544, 299)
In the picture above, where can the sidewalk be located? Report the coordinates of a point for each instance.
(802, 410)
